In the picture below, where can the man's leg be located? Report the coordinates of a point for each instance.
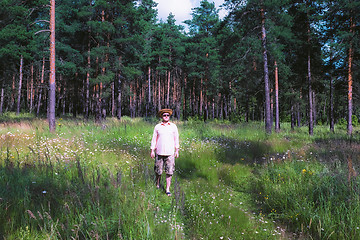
(158, 168)
(158, 178)
(168, 182)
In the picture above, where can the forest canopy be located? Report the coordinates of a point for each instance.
(273, 61)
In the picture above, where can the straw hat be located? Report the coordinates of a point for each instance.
(162, 111)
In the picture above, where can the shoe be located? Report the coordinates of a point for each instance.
(168, 193)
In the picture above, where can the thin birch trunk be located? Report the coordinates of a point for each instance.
(20, 83)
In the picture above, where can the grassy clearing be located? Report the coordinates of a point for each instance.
(232, 182)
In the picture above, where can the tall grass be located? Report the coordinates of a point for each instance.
(95, 181)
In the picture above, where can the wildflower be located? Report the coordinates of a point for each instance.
(44, 192)
(303, 171)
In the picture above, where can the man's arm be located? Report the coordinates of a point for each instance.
(153, 143)
(177, 142)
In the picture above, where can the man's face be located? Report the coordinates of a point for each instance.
(166, 117)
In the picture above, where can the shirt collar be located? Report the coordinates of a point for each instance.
(164, 124)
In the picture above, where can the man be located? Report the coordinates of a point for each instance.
(165, 148)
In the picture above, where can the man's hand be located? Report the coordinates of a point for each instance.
(176, 153)
(152, 154)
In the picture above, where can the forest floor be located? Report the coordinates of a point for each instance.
(232, 181)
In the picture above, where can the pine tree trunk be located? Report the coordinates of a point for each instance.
(1, 100)
(350, 81)
(113, 104)
(311, 111)
(331, 110)
(159, 94)
(98, 104)
(201, 97)
(168, 90)
(277, 115)
(75, 98)
(148, 108)
(332, 129)
(314, 108)
(298, 114)
(185, 87)
(311, 123)
(266, 75)
(52, 68)
(41, 86)
(13, 93)
(20, 83)
(87, 81)
(119, 92)
(32, 87)
(292, 116)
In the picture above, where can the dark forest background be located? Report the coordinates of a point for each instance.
(270, 60)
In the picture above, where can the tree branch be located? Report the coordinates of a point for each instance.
(37, 21)
(46, 30)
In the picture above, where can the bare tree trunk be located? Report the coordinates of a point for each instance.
(311, 111)
(32, 87)
(159, 94)
(332, 124)
(277, 115)
(2, 100)
(168, 90)
(350, 81)
(298, 115)
(201, 98)
(148, 108)
(185, 87)
(20, 83)
(311, 121)
(51, 119)
(119, 92)
(13, 93)
(266, 75)
(41, 86)
(314, 108)
(87, 82)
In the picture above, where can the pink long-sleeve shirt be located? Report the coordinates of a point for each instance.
(165, 139)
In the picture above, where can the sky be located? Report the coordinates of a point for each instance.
(182, 9)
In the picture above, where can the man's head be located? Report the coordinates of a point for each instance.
(165, 114)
